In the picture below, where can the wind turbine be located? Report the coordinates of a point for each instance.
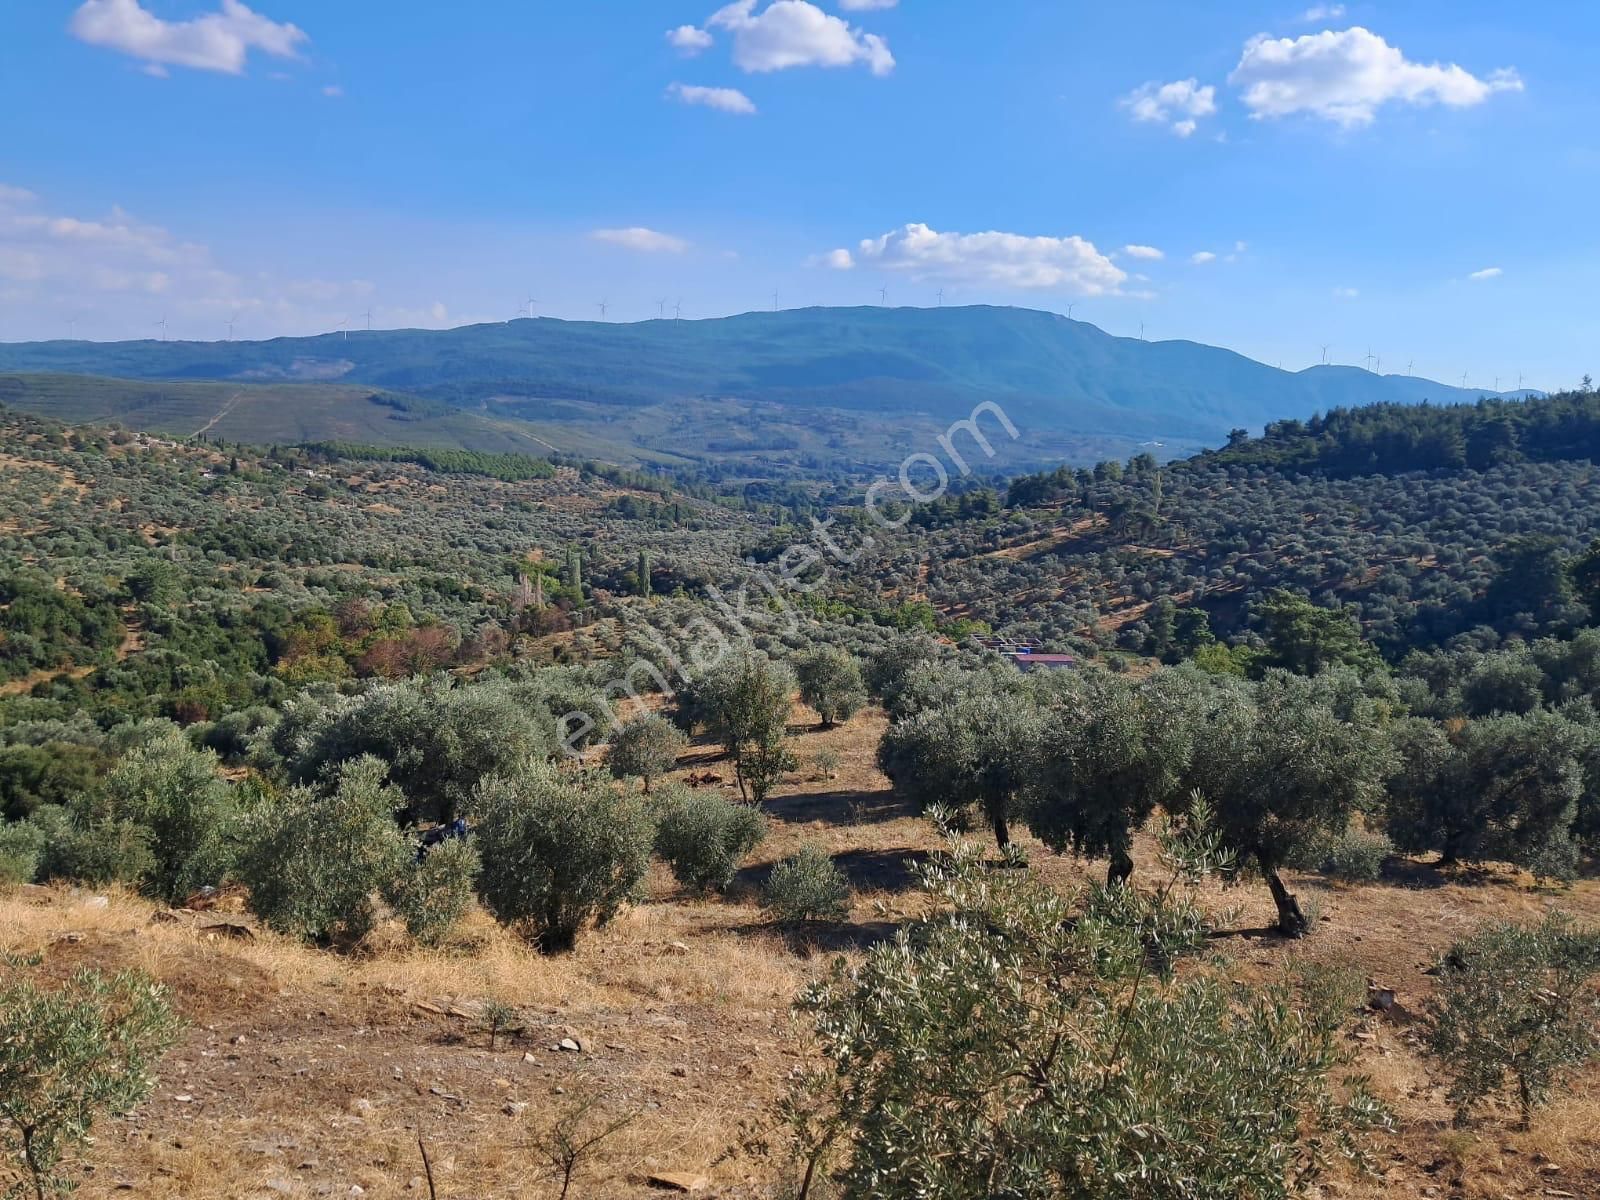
(1325, 350)
(941, 297)
(602, 306)
(883, 296)
(677, 310)
(1378, 370)
(1410, 362)
(531, 303)
(1141, 331)
(72, 326)
(774, 299)
(661, 310)
(163, 324)
(1497, 383)
(368, 316)
(1070, 307)
(1463, 379)
(231, 322)
(1369, 358)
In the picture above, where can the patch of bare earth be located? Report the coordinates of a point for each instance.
(307, 1073)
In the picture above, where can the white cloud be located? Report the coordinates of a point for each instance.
(835, 260)
(1346, 293)
(730, 100)
(1006, 260)
(1201, 257)
(866, 5)
(219, 41)
(690, 39)
(1323, 12)
(1149, 252)
(119, 274)
(796, 33)
(1487, 273)
(646, 241)
(1179, 104)
(1346, 77)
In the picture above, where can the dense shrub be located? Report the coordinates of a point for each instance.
(21, 852)
(1354, 855)
(315, 858)
(433, 894)
(806, 886)
(703, 837)
(173, 790)
(558, 849)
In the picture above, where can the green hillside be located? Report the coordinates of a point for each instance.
(1052, 374)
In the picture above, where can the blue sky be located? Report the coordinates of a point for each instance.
(1416, 179)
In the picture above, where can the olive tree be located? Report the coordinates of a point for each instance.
(1505, 788)
(830, 682)
(174, 791)
(646, 747)
(69, 1054)
(978, 751)
(316, 858)
(1013, 1043)
(1110, 752)
(1515, 1000)
(1284, 760)
(558, 848)
(745, 703)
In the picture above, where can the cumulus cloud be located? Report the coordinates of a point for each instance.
(1487, 273)
(796, 33)
(1149, 252)
(1201, 257)
(1178, 105)
(730, 100)
(1005, 260)
(1323, 12)
(1346, 77)
(834, 260)
(646, 241)
(866, 5)
(690, 39)
(217, 41)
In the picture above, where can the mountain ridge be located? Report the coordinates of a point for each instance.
(1059, 376)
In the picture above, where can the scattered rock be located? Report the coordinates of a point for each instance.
(229, 929)
(515, 1108)
(569, 1045)
(678, 1181)
(1379, 999)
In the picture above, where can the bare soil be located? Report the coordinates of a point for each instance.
(310, 1073)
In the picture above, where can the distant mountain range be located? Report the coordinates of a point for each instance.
(802, 382)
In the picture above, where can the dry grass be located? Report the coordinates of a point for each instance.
(308, 1072)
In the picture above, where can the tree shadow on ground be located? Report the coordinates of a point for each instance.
(1411, 873)
(827, 937)
(847, 806)
(891, 870)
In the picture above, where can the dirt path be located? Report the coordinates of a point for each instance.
(232, 403)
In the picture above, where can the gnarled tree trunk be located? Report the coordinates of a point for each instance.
(1291, 921)
(1121, 868)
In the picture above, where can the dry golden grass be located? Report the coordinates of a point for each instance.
(306, 1072)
